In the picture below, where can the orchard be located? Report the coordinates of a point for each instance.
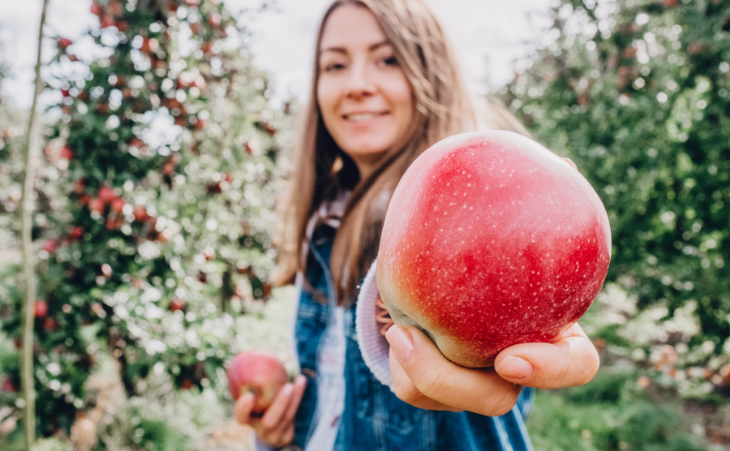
(154, 207)
(161, 159)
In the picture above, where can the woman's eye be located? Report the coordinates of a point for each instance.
(390, 61)
(333, 67)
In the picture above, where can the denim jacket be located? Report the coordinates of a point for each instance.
(375, 419)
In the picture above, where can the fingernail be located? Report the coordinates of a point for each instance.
(400, 341)
(515, 367)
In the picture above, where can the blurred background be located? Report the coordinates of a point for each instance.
(164, 142)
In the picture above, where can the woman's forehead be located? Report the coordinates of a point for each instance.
(349, 27)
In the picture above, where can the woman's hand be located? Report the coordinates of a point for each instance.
(423, 377)
(276, 427)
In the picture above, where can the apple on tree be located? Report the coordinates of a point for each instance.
(257, 372)
(491, 240)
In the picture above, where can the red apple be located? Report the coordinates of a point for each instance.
(66, 153)
(106, 194)
(117, 204)
(257, 372)
(96, 204)
(76, 233)
(50, 246)
(140, 214)
(64, 43)
(40, 308)
(177, 304)
(491, 240)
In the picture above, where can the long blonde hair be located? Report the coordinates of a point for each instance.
(322, 171)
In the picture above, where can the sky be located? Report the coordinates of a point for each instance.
(488, 35)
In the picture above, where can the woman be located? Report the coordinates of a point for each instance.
(385, 88)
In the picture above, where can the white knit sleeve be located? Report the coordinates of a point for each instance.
(373, 345)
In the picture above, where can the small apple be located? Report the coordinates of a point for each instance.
(96, 204)
(66, 153)
(117, 204)
(96, 9)
(50, 246)
(64, 43)
(106, 194)
(8, 385)
(491, 240)
(257, 372)
(140, 214)
(177, 304)
(75, 233)
(40, 308)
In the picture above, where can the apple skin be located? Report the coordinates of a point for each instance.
(491, 240)
(257, 372)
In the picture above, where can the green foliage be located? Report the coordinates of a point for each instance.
(559, 423)
(155, 207)
(636, 92)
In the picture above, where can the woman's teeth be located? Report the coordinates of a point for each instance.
(362, 117)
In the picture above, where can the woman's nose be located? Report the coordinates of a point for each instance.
(359, 81)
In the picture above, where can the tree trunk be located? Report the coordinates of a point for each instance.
(26, 209)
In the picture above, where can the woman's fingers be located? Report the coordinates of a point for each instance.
(570, 360)
(244, 406)
(274, 415)
(435, 377)
(300, 383)
(406, 391)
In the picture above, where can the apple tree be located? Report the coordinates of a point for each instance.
(636, 92)
(159, 234)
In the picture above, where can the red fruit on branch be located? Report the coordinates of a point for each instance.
(140, 214)
(117, 204)
(491, 240)
(96, 204)
(79, 186)
(66, 153)
(40, 308)
(76, 233)
(256, 372)
(65, 92)
(206, 47)
(113, 223)
(64, 43)
(149, 45)
(9, 386)
(177, 304)
(115, 8)
(106, 194)
(50, 324)
(194, 27)
(168, 168)
(50, 246)
(106, 21)
(97, 9)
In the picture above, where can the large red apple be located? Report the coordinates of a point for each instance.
(257, 372)
(491, 240)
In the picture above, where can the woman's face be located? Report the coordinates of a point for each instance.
(364, 97)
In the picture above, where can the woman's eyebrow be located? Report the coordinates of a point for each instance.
(343, 50)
